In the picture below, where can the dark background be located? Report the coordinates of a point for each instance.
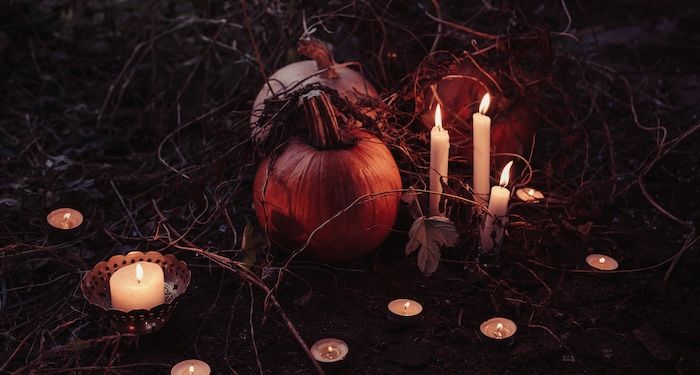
(108, 105)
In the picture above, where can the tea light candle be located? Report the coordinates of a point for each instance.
(404, 311)
(481, 138)
(529, 195)
(439, 159)
(64, 218)
(602, 262)
(137, 286)
(498, 328)
(191, 367)
(492, 235)
(405, 307)
(329, 350)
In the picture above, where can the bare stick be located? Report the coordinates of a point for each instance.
(248, 275)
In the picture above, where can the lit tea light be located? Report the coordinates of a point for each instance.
(65, 218)
(529, 195)
(329, 350)
(137, 286)
(498, 328)
(404, 311)
(602, 262)
(191, 367)
(405, 307)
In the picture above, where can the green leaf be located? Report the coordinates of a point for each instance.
(427, 235)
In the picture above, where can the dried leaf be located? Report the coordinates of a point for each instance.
(585, 229)
(410, 197)
(9, 202)
(428, 235)
(59, 163)
(80, 184)
(651, 340)
(253, 242)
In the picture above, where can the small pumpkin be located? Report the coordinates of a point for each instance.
(322, 70)
(310, 181)
(460, 90)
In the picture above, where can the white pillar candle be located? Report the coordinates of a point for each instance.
(137, 286)
(481, 138)
(492, 234)
(439, 155)
(191, 367)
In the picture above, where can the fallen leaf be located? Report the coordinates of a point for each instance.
(428, 235)
(9, 202)
(253, 243)
(585, 229)
(59, 163)
(651, 340)
(410, 197)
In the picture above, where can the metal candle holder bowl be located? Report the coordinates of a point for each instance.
(95, 287)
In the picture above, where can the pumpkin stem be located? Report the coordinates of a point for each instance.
(319, 52)
(320, 114)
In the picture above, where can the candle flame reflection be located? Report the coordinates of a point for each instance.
(139, 272)
(505, 175)
(484, 106)
(438, 117)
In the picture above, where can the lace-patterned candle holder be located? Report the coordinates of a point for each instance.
(95, 288)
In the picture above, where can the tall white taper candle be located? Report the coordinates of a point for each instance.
(481, 138)
(439, 156)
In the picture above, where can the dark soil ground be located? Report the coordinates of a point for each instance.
(137, 113)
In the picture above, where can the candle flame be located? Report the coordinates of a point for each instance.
(438, 117)
(330, 353)
(191, 370)
(64, 222)
(499, 330)
(601, 260)
(484, 106)
(505, 175)
(531, 192)
(405, 307)
(139, 272)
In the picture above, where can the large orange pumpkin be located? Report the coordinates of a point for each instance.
(310, 181)
(460, 90)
